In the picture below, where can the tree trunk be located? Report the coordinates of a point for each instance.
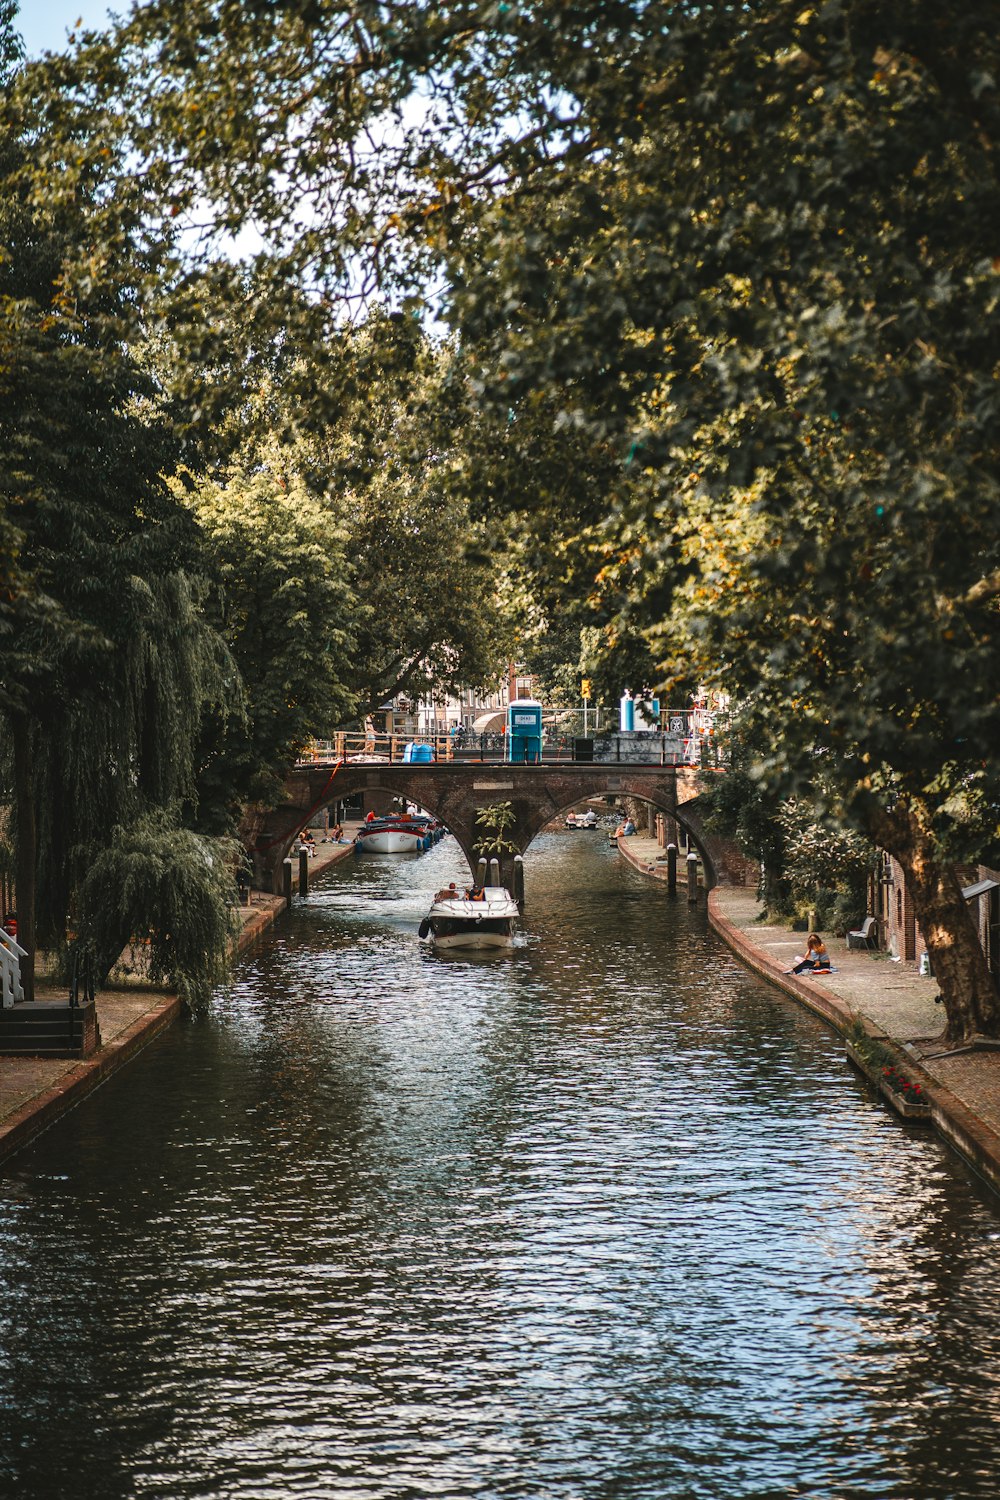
(971, 1003)
(773, 888)
(27, 849)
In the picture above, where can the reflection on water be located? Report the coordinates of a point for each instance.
(599, 1217)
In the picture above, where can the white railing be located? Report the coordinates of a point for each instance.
(11, 954)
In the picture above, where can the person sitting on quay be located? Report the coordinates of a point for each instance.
(816, 958)
(338, 833)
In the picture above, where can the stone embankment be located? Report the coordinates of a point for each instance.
(895, 1004)
(35, 1091)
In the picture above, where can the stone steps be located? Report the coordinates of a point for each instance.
(49, 1028)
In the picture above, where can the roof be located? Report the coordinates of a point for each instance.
(979, 889)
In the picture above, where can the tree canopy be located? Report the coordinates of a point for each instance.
(106, 656)
(742, 258)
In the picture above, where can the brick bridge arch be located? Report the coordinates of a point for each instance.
(454, 791)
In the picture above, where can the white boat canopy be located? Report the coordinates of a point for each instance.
(490, 723)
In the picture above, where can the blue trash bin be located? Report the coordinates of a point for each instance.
(414, 754)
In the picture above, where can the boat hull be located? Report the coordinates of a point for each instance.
(391, 841)
(471, 936)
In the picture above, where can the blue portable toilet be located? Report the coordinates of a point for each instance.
(524, 730)
(414, 754)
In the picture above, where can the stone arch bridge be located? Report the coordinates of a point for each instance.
(454, 791)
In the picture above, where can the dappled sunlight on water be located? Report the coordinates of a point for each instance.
(601, 1216)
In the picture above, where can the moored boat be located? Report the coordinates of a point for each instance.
(404, 833)
(462, 921)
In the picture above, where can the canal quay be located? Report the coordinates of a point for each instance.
(605, 1216)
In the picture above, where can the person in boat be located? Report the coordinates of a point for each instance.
(816, 957)
(448, 892)
(371, 816)
(475, 893)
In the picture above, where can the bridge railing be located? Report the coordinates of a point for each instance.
(11, 953)
(355, 745)
(685, 739)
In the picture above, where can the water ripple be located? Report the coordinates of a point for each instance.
(600, 1217)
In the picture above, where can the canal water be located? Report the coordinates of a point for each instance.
(603, 1217)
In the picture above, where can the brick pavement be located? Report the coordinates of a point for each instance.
(892, 999)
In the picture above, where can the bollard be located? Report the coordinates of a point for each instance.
(672, 869)
(481, 872)
(303, 872)
(286, 880)
(494, 872)
(692, 869)
(519, 880)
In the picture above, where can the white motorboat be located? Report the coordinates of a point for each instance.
(466, 922)
(586, 819)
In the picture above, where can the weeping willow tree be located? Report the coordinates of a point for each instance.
(168, 891)
(123, 742)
